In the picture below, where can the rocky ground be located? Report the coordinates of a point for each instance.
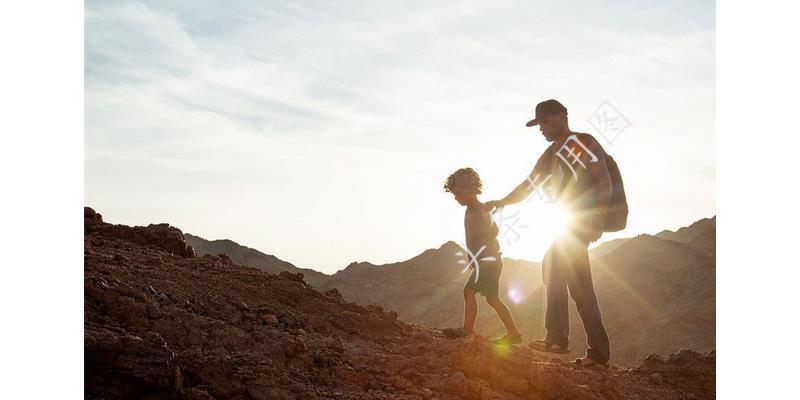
(162, 323)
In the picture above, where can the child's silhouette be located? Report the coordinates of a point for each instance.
(481, 239)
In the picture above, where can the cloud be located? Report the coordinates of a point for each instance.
(362, 107)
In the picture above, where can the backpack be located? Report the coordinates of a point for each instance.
(616, 218)
(617, 213)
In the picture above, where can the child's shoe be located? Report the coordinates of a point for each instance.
(506, 340)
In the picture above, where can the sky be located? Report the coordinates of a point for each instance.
(322, 133)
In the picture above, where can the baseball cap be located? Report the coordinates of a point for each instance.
(544, 109)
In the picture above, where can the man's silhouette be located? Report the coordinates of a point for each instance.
(576, 172)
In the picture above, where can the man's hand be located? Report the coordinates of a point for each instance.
(490, 206)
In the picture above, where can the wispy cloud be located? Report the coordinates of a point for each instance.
(283, 125)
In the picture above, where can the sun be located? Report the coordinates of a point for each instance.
(530, 236)
(550, 219)
(557, 217)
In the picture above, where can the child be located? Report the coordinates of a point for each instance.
(481, 232)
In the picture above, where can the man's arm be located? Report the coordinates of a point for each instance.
(527, 186)
(517, 195)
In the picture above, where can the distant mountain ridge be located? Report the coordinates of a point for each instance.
(606, 247)
(701, 232)
(251, 257)
(698, 232)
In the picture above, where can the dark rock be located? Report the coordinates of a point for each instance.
(162, 236)
(153, 311)
(120, 365)
(297, 277)
(689, 370)
(335, 295)
(90, 217)
(197, 394)
(210, 257)
(657, 379)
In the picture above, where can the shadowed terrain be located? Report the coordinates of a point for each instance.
(161, 322)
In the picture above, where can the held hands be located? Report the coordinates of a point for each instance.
(490, 206)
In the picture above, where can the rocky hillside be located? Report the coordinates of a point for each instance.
(644, 284)
(251, 257)
(657, 296)
(162, 323)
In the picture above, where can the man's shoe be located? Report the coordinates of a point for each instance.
(587, 362)
(548, 347)
(507, 340)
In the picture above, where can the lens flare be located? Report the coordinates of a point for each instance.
(529, 234)
(559, 218)
(501, 350)
(515, 295)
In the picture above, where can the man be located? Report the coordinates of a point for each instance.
(574, 170)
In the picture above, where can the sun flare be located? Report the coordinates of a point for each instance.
(531, 230)
(556, 217)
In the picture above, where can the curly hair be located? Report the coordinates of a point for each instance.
(464, 179)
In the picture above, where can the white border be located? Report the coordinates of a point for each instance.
(42, 154)
(41, 347)
(757, 264)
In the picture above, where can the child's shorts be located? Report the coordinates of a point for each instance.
(488, 283)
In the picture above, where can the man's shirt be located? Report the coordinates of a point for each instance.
(567, 163)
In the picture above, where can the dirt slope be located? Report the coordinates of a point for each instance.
(162, 323)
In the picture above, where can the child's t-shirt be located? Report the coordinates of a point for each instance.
(481, 231)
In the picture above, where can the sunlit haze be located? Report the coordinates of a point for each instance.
(322, 133)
